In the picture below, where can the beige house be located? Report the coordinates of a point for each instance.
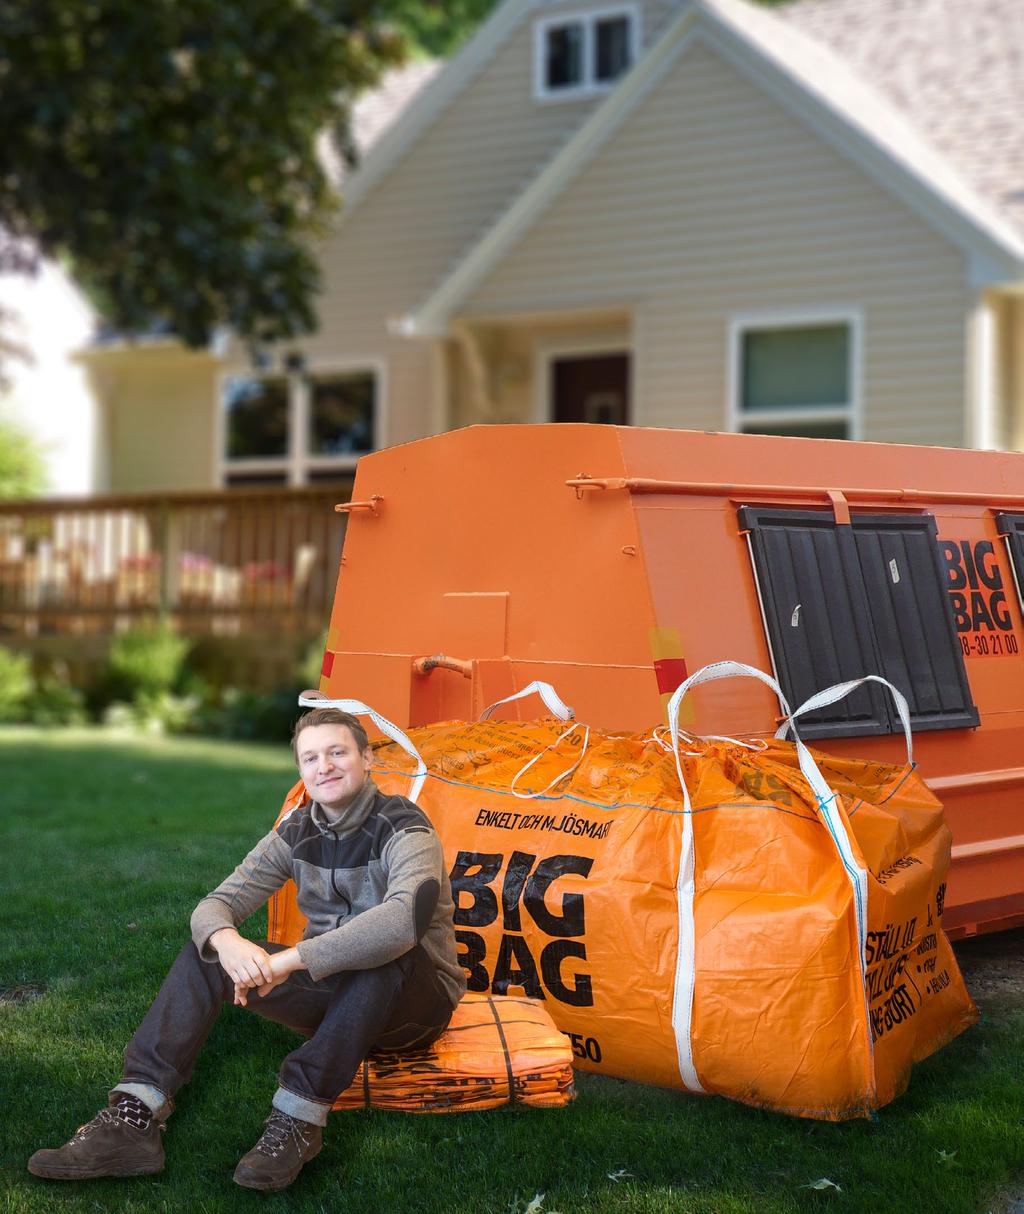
(683, 213)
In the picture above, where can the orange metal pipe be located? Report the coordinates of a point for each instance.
(636, 484)
(426, 665)
(372, 505)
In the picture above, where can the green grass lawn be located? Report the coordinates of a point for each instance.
(106, 843)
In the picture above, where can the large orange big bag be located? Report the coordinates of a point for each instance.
(697, 913)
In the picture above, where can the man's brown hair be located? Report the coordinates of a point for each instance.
(329, 716)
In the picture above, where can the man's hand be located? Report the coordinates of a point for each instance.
(244, 962)
(282, 964)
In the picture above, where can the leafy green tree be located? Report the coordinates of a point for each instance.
(439, 26)
(22, 471)
(168, 150)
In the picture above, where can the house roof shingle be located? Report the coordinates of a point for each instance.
(376, 111)
(953, 68)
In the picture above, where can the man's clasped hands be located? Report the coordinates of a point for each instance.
(249, 966)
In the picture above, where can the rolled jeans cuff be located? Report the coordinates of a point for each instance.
(301, 1107)
(160, 1105)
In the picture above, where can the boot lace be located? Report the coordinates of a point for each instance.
(130, 1112)
(103, 1117)
(281, 1129)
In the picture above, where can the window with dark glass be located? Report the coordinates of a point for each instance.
(584, 52)
(612, 48)
(341, 414)
(565, 56)
(796, 380)
(296, 427)
(843, 601)
(806, 429)
(256, 480)
(257, 417)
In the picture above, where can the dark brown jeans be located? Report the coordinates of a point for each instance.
(400, 1005)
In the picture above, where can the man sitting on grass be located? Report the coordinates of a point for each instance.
(376, 968)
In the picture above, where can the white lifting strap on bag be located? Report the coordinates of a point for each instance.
(682, 999)
(832, 695)
(552, 701)
(830, 815)
(708, 674)
(314, 699)
(558, 708)
(824, 795)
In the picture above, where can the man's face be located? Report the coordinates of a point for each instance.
(332, 766)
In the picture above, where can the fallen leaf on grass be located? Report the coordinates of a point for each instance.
(948, 1158)
(536, 1206)
(823, 1183)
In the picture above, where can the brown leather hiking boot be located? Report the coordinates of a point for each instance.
(285, 1145)
(114, 1143)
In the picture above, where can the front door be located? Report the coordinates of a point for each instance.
(590, 388)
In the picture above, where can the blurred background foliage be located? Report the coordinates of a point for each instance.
(437, 28)
(168, 151)
(22, 468)
(154, 681)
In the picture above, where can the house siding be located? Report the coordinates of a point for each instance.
(424, 215)
(721, 202)
(159, 416)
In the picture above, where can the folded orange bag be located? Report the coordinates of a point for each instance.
(495, 1051)
(755, 920)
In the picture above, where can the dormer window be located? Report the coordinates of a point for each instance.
(581, 54)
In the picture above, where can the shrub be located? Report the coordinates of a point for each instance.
(145, 662)
(120, 715)
(254, 715)
(22, 468)
(15, 686)
(167, 712)
(56, 703)
(159, 712)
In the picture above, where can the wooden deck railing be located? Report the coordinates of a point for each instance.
(225, 563)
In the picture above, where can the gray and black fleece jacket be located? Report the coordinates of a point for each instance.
(373, 884)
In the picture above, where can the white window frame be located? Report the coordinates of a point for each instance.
(851, 412)
(297, 462)
(588, 18)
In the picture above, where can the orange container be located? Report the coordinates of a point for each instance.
(609, 561)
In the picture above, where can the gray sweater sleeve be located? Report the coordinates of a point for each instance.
(415, 864)
(263, 871)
